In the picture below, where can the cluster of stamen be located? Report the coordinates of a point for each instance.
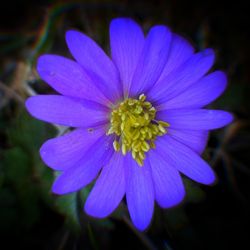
(135, 128)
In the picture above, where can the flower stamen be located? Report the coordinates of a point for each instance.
(133, 121)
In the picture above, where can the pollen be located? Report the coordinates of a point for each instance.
(135, 128)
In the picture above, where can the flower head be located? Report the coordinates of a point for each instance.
(138, 117)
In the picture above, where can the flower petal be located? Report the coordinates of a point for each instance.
(68, 78)
(96, 63)
(168, 186)
(127, 40)
(139, 193)
(195, 119)
(180, 51)
(86, 169)
(152, 60)
(200, 93)
(65, 151)
(65, 111)
(182, 77)
(194, 139)
(109, 189)
(185, 160)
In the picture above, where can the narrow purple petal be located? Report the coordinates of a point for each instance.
(139, 193)
(127, 40)
(200, 93)
(181, 78)
(109, 189)
(86, 169)
(194, 139)
(195, 119)
(185, 160)
(152, 60)
(168, 186)
(180, 51)
(96, 63)
(65, 111)
(65, 151)
(68, 78)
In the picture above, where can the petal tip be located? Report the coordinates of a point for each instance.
(161, 29)
(91, 211)
(32, 105)
(71, 35)
(57, 189)
(222, 78)
(141, 225)
(43, 64)
(227, 118)
(45, 152)
(118, 20)
(174, 203)
(210, 178)
(29, 104)
(230, 117)
(177, 201)
(208, 52)
(60, 187)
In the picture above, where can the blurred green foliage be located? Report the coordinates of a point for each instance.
(24, 179)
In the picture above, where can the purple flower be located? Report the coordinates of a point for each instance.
(138, 117)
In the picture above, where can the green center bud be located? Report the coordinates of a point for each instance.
(133, 122)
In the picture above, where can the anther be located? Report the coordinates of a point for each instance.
(133, 122)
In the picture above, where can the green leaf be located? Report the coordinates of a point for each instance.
(18, 172)
(84, 193)
(31, 133)
(16, 165)
(193, 192)
(67, 205)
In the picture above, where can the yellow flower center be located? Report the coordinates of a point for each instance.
(133, 122)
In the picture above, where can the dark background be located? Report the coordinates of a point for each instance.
(32, 218)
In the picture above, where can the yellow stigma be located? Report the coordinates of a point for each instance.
(133, 122)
